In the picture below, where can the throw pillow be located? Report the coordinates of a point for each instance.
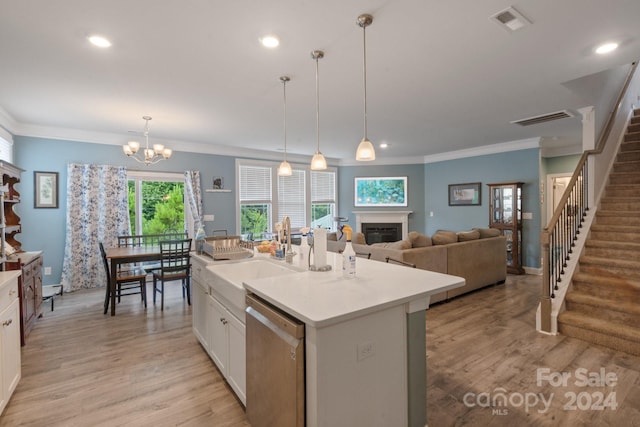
(332, 236)
(465, 236)
(444, 237)
(488, 232)
(419, 240)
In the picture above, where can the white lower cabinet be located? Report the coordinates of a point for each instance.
(9, 339)
(221, 333)
(227, 345)
(199, 310)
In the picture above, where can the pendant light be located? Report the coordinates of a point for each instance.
(365, 151)
(285, 168)
(318, 161)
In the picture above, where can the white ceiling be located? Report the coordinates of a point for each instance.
(441, 76)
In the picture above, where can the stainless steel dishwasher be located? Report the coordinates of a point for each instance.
(275, 366)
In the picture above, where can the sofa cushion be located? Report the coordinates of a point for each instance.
(400, 244)
(359, 238)
(443, 237)
(488, 232)
(465, 236)
(419, 240)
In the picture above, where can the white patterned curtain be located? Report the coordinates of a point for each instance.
(97, 210)
(193, 193)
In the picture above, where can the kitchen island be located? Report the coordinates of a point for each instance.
(364, 338)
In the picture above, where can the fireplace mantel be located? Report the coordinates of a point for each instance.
(382, 217)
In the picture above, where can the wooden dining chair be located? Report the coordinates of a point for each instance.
(128, 282)
(175, 264)
(148, 240)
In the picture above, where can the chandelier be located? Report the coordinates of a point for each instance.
(151, 155)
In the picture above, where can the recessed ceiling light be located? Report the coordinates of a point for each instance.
(99, 41)
(383, 145)
(606, 48)
(270, 41)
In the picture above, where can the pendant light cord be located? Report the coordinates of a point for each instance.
(284, 97)
(364, 75)
(317, 106)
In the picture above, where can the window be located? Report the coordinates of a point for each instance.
(323, 199)
(6, 146)
(156, 202)
(255, 201)
(307, 197)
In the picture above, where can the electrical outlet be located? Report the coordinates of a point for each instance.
(47, 271)
(209, 217)
(366, 349)
(527, 215)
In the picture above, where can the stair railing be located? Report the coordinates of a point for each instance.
(558, 239)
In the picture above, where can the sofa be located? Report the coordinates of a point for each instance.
(477, 255)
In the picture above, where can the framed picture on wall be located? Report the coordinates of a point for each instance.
(46, 189)
(465, 194)
(381, 191)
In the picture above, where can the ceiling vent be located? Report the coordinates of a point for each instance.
(543, 118)
(510, 19)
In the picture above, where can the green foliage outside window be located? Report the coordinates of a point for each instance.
(162, 207)
(254, 221)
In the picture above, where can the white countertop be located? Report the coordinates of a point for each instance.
(321, 299)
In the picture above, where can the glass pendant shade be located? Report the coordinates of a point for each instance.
(365, 151)
(284, 169)
(318, 162)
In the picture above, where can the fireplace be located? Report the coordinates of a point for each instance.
(384, 219)
(377, 232)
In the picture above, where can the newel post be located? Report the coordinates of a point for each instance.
(545, 295)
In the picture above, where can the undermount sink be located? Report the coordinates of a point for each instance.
(228, 278)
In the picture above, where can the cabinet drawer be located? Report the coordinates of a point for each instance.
(8, 294)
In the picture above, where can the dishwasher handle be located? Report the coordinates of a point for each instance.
(286, 327)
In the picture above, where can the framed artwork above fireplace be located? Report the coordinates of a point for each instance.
(381, 191)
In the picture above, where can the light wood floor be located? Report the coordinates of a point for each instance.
(139, 368)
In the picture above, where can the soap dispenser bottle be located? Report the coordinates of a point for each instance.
(348, 255)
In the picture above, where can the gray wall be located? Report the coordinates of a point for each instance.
(522, 166)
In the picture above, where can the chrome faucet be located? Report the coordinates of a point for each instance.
(286, 224)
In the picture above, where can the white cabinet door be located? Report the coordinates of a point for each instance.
(10, 351)
(218, 346)
(199, 310)
(237, 365)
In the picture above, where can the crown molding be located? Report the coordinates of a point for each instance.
(521, 144)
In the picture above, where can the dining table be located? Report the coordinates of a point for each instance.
(126, 255)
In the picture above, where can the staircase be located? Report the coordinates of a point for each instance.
(603, 304)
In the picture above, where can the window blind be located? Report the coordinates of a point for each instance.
(291, 198)
(255, 184)
(323, 187)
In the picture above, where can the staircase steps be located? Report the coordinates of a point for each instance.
(614, 335)
(620, 203)
(625, 177)
(603, 301)
(623, 190)
(612, 249)
(613, 218)
(613, 232)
